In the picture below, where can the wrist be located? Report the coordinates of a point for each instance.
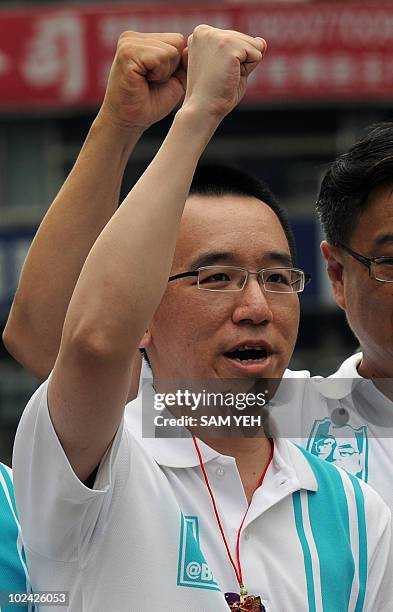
(120, 133)
(200, 124)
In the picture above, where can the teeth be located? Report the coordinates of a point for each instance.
(252, 348)
(248, 360)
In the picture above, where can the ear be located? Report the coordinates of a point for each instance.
(335, 270)
(137, 366)
(135, 377)
(145, 340)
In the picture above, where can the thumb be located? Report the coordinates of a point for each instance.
(184, 59)
(172, 92)
(264, 45)
(181, 76)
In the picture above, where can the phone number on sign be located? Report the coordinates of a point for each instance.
(41, 598)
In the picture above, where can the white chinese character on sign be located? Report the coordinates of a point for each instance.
(312, 69)
(373, 69)
(278, 71)
(343, 70)
(56, 55)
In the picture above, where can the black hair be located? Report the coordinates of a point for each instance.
(222, 180)
(351, 180)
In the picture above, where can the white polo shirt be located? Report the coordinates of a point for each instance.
(146, 538)
(349, 422)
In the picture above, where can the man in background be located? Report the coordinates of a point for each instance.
(355, 206)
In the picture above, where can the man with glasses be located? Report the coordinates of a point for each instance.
(190, 524)
(355, 206)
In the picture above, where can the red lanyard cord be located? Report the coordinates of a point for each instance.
(237, 571)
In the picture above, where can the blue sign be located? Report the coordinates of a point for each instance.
(13, 251)
(15, 244)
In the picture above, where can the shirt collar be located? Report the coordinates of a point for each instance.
(341, 383)
(289, 458)
(175, 452)
(349, 367)
(180, 452)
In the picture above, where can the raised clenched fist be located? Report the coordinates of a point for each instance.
(146, 79)
(219, 62)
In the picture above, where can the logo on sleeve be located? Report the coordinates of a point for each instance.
(193, 570)
(342, 445)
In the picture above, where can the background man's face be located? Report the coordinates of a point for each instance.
(368, 303)
(193, 330)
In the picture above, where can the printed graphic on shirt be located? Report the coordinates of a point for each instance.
(343, 445)
(193, 571)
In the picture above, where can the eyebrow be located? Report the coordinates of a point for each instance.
(383, 240)
(228, 257)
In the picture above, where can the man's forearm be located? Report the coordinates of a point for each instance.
(86, 202)
(129, 265)
(145, 83)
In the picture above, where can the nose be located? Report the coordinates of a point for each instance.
(252, 304)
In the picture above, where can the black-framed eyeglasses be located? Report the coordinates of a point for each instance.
(232, 278)
(379, 268)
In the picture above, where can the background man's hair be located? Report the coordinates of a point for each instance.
(351, 179)
(222, 180)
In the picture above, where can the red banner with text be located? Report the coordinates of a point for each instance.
(60, 58)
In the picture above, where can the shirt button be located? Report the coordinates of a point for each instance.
(220, 471)
(340, 416)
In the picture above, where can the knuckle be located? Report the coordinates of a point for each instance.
(202, 29)
(172, 52)
(179, 38)
(228, 37)
(124, 51)
(224, 40)
(162, 57)
(127, 35)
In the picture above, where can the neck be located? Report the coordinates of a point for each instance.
(238, 447)
(368, 369)
(380, 377)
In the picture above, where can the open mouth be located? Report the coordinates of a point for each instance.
(248, 354)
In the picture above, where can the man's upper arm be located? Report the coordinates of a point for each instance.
(87, 394)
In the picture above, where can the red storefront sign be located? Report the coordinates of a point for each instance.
(60, 58)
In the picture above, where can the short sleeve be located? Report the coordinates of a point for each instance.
(60, 517)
